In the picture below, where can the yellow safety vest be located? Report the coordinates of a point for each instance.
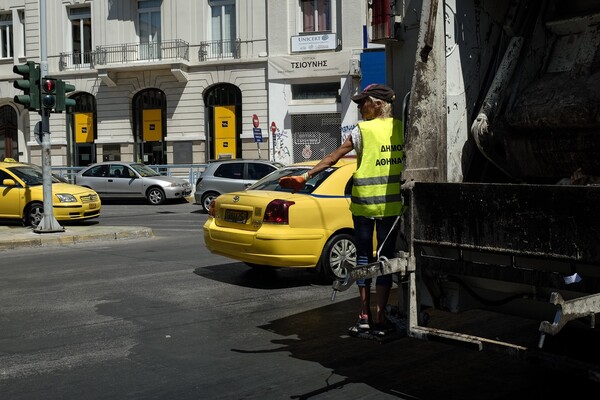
(377, 179)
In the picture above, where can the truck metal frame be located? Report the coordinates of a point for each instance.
(523, 254)
(502, 136)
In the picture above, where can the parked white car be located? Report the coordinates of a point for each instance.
(119, 179)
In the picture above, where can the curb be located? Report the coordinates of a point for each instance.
(72, 236)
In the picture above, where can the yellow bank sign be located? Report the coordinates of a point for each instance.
(152, 125)
(225, 146)
(84, 128)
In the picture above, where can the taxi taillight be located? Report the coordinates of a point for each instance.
(277, 212)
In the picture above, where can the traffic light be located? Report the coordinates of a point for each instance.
(62, 101)
(48, 93)
(30, 98)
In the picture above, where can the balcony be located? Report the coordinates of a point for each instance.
(109, 60)
(169, 50)
(219, 50)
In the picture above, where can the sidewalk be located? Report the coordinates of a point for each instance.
(16, 236)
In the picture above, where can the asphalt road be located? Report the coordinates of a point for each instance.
(161, 318)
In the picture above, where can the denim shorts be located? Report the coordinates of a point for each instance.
(364, 227)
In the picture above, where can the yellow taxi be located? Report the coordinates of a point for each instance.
(22, 196)
(267, 225)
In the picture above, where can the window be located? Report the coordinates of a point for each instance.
(116, 171)
(230, 170)
(327, 90)
(222, 23)
(111, 152)
(149, 28)
(9, 144)
(182, 152)
(98, 171)
(81, 34)
(3, 176)
(316, 15)
(6, 36)
(315, 135)
(258, 170)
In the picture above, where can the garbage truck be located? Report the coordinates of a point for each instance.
(501, 106)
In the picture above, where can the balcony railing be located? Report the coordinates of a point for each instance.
(219, 49)
(126, 53)
(75, 60)
(139, 52)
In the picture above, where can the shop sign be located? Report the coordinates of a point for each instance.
(322, 41)
(309, 65)
(307, 137)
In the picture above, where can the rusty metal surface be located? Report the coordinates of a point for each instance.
(383, 266)
(570, 310)
(559, 222)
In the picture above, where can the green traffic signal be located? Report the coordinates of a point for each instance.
(62, 101)
(30, 98)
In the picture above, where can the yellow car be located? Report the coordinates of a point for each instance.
(22, 196)
(267, 225)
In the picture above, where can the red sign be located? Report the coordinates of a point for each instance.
(273, 127)
(255, 120)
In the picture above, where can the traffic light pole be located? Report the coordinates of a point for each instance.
(48, 224)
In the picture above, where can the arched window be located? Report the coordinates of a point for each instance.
(9, 143)
(81, 148)
(223, 112)
(150, 126)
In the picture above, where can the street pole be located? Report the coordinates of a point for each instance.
(48, 224)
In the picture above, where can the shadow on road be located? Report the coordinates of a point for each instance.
(405, 367)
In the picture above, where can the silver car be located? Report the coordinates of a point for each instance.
(119, 179)
(232, 175)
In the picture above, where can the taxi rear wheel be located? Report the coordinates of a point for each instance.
(33, 214)
(338, 249)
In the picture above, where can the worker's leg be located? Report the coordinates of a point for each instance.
(387, 231)
(382, 295)
(363, 231)
(364, 292)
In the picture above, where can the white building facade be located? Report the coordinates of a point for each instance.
(184, 81)
(313, 70)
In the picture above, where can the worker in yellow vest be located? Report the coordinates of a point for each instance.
(376, 202)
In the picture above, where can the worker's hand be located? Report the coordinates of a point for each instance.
(293, 182)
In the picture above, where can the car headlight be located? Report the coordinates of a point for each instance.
(66, 198)
(175, 184)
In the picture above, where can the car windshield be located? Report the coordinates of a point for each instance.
(32, 175)
(271, 181)
(144, 170)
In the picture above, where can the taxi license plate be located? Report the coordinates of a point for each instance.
(93, 205)
(239, 217)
